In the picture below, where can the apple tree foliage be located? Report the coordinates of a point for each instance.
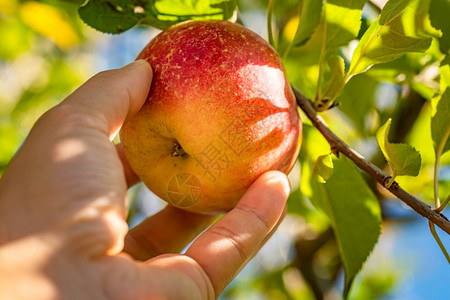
(377, 71)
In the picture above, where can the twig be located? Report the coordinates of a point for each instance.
(338, 146)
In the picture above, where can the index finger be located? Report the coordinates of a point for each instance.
(118, 94)
(225, 248)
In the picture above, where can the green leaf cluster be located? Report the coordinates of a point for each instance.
(116, 16)
(403, 26)
(377, 71)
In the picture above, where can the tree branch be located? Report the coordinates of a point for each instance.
(338, 146)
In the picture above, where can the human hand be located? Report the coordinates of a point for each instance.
(63, 208)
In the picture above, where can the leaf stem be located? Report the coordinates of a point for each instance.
(443, 205)
(438, 240)
(323, 51)
(291, 43)
(269, 22)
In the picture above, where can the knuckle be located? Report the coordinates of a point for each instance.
(256, 215)
(93, 233)
(233, 239)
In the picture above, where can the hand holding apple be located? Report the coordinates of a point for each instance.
(63, 196)
(219, 114)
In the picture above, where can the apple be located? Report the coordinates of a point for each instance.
(220, 113)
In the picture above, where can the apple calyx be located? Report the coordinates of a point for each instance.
(178, 151)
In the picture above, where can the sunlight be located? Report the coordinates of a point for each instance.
(50, 22)
(68, 149)
(270, 85)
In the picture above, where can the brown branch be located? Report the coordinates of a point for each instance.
(338, 146)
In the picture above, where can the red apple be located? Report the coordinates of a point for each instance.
(220, 112)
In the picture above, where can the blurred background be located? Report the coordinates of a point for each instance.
(46, 52)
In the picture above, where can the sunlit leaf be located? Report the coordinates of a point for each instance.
(343, 21)
(177, 10)
(110, 16)
(323, 167)
(354, 214)
(440, 124)
(339, 24)
(311, 12)
(298, 202)
(403, 26)
(402, 158)
(337, 75)
(445, 74)
(116, 16)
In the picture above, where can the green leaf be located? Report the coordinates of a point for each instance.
(110, 16)
(340, 23)
(402, 158)
(354, 213)
(403, 26)
(440, 124)
(180, 10)
(337, 76)
(357, 100)
(439, 13)
(311, 12)
(343, 21)
(116, 16)
(444, 74)
(76, 2)
(323, 167)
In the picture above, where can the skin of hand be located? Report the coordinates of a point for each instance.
(63, 206)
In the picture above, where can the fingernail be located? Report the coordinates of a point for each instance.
(277, 177)
(136, 63)
(279, 184)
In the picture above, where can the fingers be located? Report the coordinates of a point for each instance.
(113, 95)
(212, 261)
(224, 249)
(169, 231)
(167, 276)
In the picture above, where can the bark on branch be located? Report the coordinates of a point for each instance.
(338, 146)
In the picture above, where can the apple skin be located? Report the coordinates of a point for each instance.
(220, 113)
